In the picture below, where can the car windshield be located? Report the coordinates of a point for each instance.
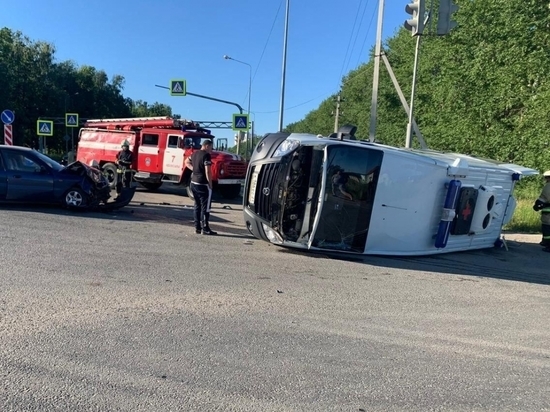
(49, 161)
(196, 142)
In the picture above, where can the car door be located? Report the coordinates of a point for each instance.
(28, 178)
(173, 157)
(148, 154)
(3, 179)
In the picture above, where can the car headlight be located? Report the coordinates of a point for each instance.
(272, 235)
(286, 146)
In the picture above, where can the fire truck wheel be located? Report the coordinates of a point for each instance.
(109, 170)
(151, 186)
(190, 192)
(230, 191)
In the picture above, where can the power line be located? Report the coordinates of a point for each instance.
(265, 47)
(267, 41)
(349, 42)
(357, 34)
(365, 39)
(298, 105)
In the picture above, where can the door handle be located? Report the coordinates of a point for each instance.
(17, 176)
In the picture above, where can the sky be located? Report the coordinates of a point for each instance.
(152, 42)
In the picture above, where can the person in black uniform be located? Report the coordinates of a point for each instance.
(200, 163)
(124, 160)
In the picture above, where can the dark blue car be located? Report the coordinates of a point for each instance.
(28, 176)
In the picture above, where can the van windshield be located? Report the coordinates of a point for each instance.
(350, 186)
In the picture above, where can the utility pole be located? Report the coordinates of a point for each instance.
(283, 76)
(337, 114)
(375, 80)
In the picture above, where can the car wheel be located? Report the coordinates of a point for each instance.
(75, 198)
(109, 170)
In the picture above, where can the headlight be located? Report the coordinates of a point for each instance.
(273, 236)
(286, 147)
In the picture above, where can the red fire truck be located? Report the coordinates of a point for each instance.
(160, 146)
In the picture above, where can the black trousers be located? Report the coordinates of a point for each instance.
(203, 199)
(123, 179)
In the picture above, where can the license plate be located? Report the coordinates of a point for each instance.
(253, 184)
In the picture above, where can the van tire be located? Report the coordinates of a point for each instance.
(109, 170)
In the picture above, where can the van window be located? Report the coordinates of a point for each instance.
(173, 141)
(150, 140)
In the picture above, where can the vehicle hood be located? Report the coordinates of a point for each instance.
(227, 156)
(79, 168)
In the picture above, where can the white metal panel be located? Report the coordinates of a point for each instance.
(172, 163)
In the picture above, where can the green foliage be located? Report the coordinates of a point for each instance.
(140, 108)
(483, 89)
(35, 85)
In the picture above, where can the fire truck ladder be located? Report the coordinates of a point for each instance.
(158, 122)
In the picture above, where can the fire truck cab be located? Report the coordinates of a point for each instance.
(160, 146)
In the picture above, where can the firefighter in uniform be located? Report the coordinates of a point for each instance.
(542, 204)
(124, 160)
(200, 163)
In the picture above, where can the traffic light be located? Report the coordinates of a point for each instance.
(416, 23)
(444, 22)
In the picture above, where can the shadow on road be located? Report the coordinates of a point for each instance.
(522, 262)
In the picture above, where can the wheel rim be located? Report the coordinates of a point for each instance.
(73, 198)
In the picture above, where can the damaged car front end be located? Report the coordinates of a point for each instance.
(96, 192)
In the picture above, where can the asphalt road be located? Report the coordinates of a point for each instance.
(132, 311)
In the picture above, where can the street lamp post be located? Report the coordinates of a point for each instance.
(249, 95)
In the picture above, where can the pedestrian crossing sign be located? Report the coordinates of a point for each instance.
(240, 122)
(71, 119)
(178, 88)
(44, 128)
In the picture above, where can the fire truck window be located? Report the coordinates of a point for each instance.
(150, 140)
(196, 142)
(173, 141)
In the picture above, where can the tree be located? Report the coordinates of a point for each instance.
(35, 85)
(482, 90)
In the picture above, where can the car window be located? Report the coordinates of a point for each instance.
(49, 161)
(19, 162)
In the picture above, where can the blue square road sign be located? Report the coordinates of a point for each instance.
(71, 119)
(44, 127)
(178, 88)
(240, 122)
